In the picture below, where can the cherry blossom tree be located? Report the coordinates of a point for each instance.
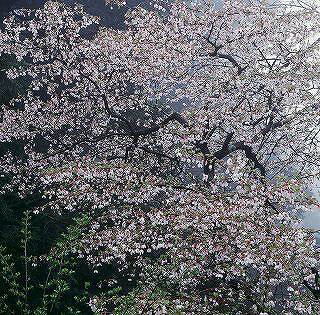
(199, 207)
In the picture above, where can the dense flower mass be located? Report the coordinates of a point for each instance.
(188, 137)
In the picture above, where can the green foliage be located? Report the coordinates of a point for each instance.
(10, 289)
(53, 284)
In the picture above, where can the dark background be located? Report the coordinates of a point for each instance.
(112, 17)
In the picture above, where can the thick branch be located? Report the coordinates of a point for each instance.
(251, 156)
(173, 117)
